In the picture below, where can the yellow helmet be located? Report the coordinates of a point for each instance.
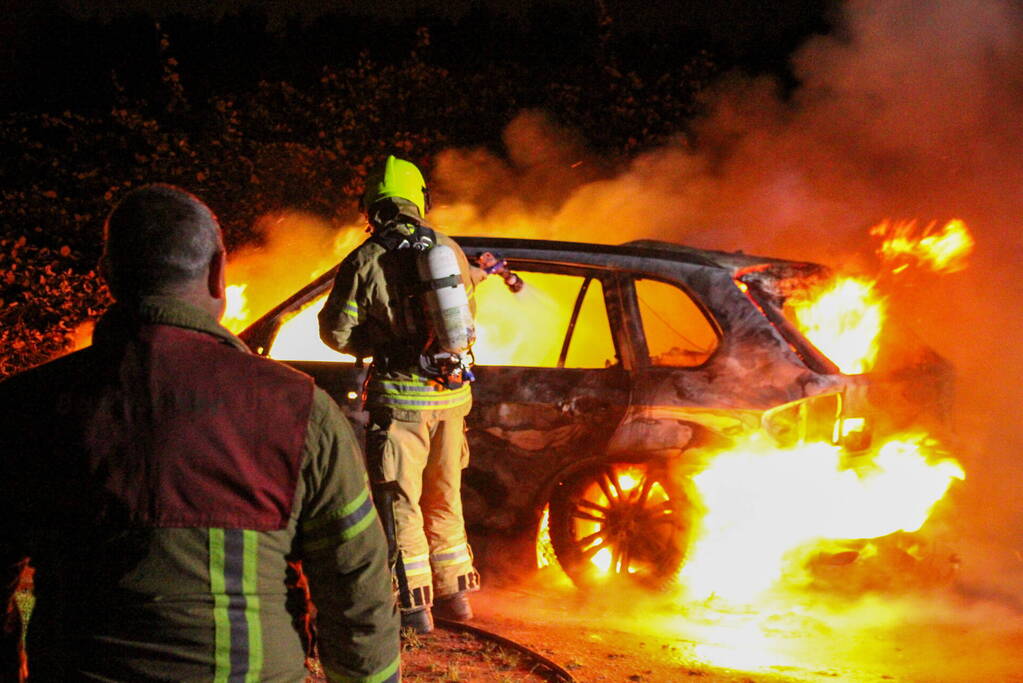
(398, 178)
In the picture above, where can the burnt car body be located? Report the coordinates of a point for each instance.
(697, 355)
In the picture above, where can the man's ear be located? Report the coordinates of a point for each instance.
(218, 268)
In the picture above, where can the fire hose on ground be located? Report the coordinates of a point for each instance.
(557, 673)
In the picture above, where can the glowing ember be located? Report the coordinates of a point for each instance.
(763, 505)
(942, 250)
(844, 322)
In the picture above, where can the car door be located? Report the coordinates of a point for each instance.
(551, 386)
(683, 384)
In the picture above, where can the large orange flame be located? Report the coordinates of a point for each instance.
(764, 505)
(505, 326)
(905, 243)
(844, 321)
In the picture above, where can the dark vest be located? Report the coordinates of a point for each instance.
(165, 427)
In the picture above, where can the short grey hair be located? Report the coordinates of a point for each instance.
(158, 238)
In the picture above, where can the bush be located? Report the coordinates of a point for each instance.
(275, 146)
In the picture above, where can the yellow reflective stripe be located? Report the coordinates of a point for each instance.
(409, 385)
(234, 585)
(417, 572)
(321, 521)
(351, 309)
(428, 396)
(419, 392)
(221, 620)
(250, 586)
(389, 673)
(345, 534)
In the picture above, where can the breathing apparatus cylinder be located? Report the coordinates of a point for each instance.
(446, 300)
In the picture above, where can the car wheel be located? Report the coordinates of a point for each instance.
(620, 522)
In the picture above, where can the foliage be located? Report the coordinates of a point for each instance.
(272, 147)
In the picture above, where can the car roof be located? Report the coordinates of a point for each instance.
(670, 251)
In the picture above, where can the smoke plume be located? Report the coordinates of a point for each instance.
(911, 109)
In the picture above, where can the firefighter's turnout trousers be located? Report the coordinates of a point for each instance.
(425, 458)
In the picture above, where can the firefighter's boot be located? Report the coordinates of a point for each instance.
(455, 607)
(419, 620)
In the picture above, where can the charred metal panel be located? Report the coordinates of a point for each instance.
(526, 425)
(753, 367)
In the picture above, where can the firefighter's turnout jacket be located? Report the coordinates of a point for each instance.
(416, 433)
(161, 480)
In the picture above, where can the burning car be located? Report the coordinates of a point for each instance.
(604, 384)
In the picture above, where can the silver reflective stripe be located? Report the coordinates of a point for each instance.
(451, 556)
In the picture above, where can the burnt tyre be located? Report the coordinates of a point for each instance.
(620, 522)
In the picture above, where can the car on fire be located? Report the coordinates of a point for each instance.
(601, 385)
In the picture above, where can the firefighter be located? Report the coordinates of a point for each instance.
(162, 479)
(417, 391)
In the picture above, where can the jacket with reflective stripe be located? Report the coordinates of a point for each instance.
(161, 480)
(367, 314)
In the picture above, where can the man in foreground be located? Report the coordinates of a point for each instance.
(161, 480)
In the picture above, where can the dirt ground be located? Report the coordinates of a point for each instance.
(454, 656)
(650, 639)
(447, 656)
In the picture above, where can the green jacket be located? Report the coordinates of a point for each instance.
(161, 481)
(368, 313)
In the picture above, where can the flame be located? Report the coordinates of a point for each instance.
(299, 337)
(942, 250)
(766, 510)
(626, 479)
(506, 326)
(844, 321)
(236, 312)
(297, 247)
(82, 335)
(765, 506)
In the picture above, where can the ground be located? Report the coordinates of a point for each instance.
(650, 639)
